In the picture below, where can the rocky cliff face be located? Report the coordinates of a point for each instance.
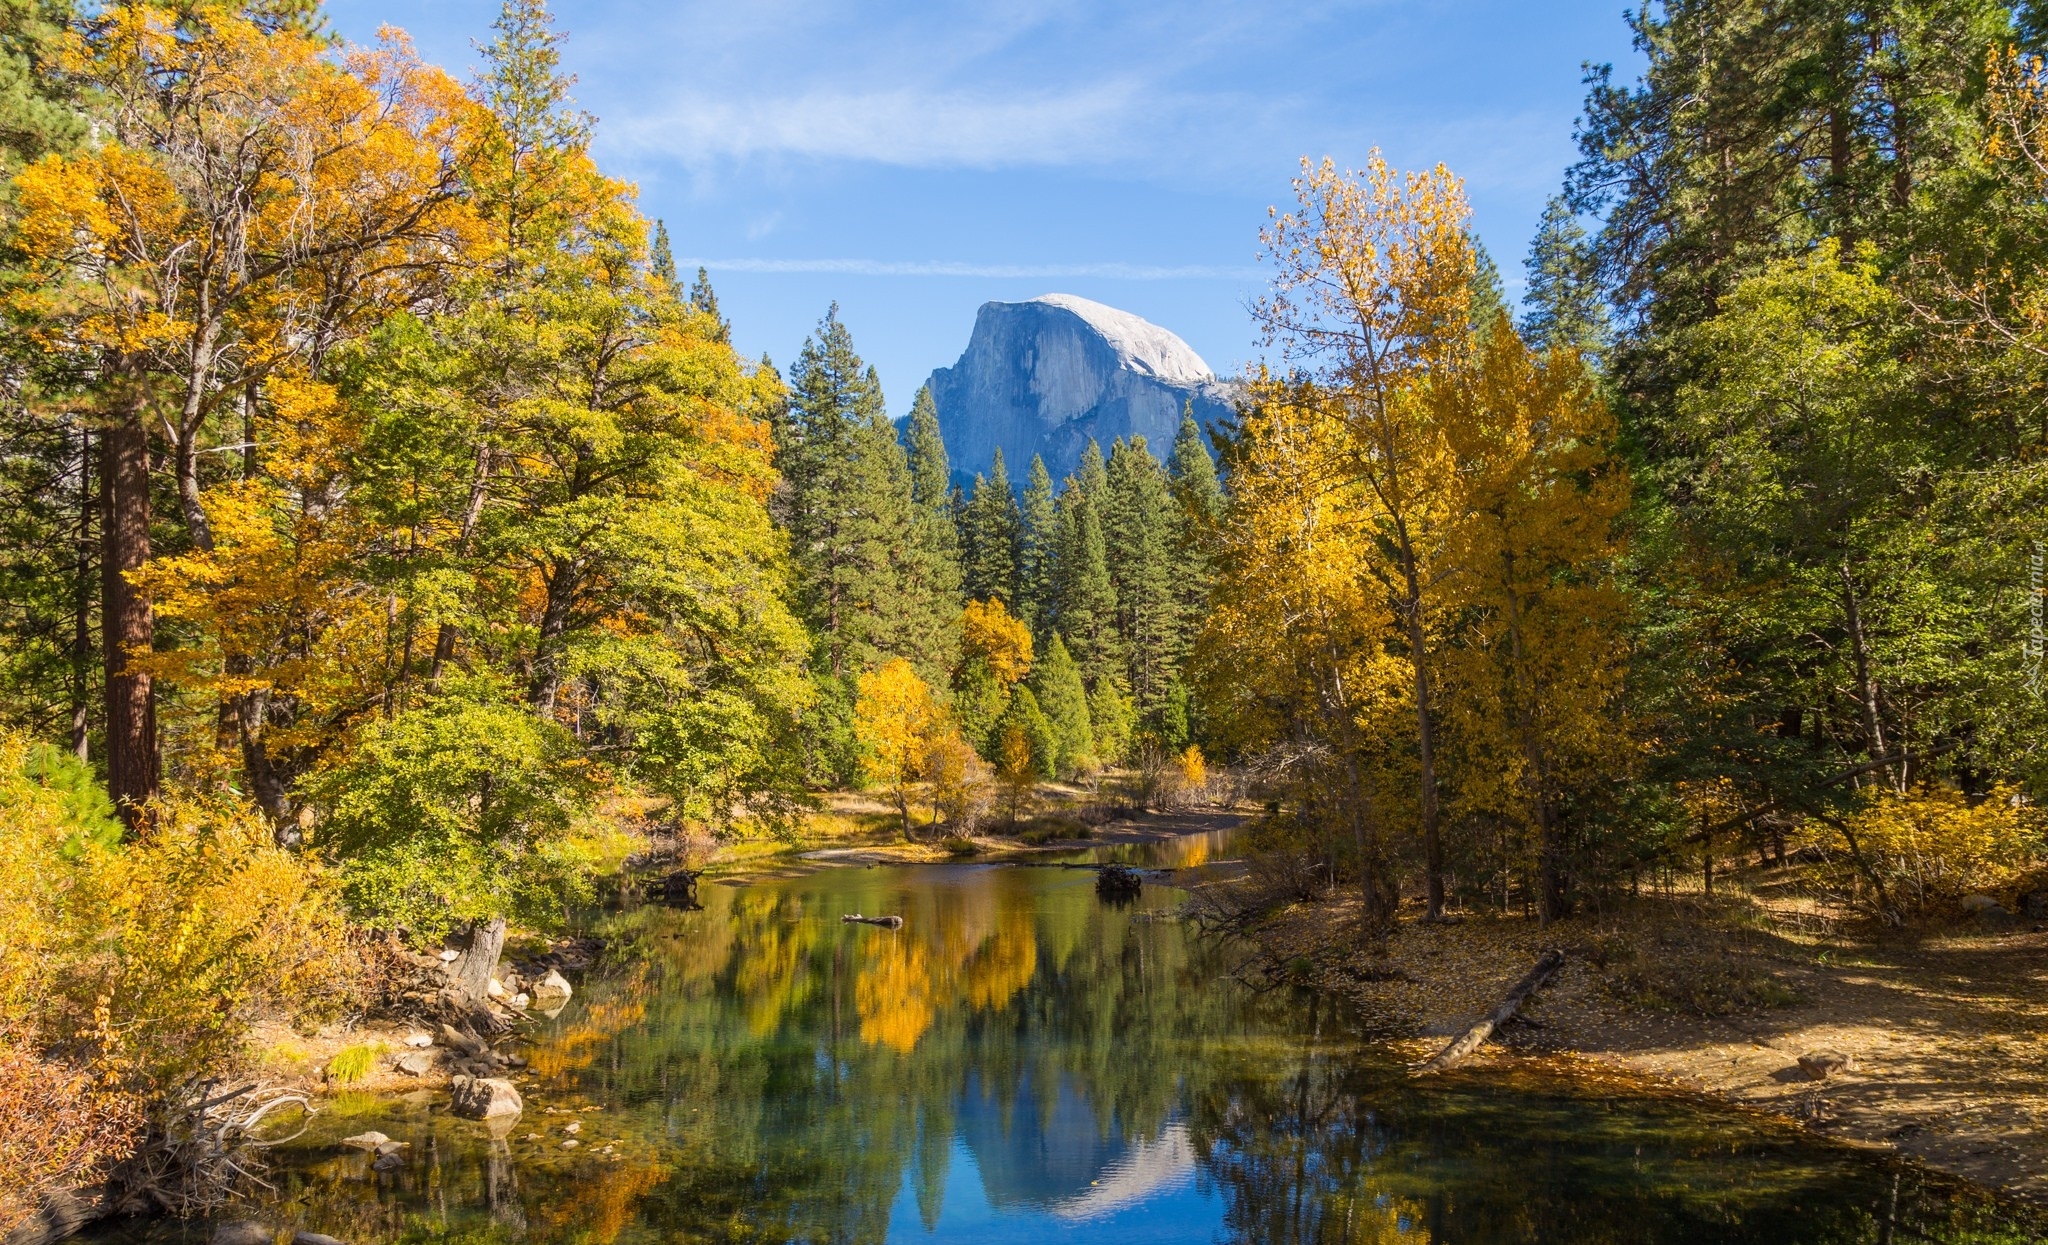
(1044, 376)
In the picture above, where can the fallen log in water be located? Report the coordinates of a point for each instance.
(1118, 883)
(886, 922)
(1470, 1040)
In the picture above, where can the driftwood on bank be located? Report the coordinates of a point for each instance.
(1470, 1040)
(886, 922)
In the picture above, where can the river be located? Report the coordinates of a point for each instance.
(1022, 1062)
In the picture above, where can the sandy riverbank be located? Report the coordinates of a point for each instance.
(1948, 1034)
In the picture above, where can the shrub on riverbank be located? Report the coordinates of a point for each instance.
(129, 964)
(1915, 856)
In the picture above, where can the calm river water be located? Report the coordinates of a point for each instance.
(1023, 1063)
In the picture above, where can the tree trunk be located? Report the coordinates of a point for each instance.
(1470, 1040)
(81, 606)
(479, 480)
(129, 626)
(1866, 678)
(554, 623)
(1425, 739)
(1552, 898)
(470, 973)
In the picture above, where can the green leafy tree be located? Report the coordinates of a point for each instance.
(463, 809)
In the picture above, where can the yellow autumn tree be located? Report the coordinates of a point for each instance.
(990, 632)
(1533, 683)
(1370, 306)
(1293, 658)
(898, 723)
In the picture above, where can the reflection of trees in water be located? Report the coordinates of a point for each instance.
(798, 1068)
(1317, 1150)
(777, 1075)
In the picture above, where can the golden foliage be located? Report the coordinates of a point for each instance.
(893, 994)
(897, 723)
(153, 955)
(1930, 847)
(988, 631)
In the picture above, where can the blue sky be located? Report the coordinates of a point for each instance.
(913, 159)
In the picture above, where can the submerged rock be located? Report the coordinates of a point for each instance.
(365, 1141)
(484, 1098)
(243, 1232)
(1044, 376)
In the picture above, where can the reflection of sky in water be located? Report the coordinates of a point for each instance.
(1147, 1194)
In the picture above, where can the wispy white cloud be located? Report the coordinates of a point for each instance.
(941, 268)
(907, 126)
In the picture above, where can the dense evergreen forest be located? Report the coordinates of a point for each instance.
(390, 535)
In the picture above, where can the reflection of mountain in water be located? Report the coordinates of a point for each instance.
(1049, 1153)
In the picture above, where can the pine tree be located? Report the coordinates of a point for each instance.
(662, 263)
(1137, 530)
(1112, 719)
(1090, 475)
(931, 474)
(1086, 609)
(702, 298)
(1197, 514)
(989, 538)
(1056, 682)
(937, 549)
(848, 505)
(1038, 552)
(1566, 309)
(1025, 715)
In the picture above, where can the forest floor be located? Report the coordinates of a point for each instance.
(1947, 1031)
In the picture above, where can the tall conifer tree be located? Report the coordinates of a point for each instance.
(1038, 552)
(703, 299)
(1086, 598)
(848, 505)
(1197, 511)
(1056, 681)
(1137, 531)
(990, 537)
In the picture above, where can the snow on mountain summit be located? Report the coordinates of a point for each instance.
(1143, 346)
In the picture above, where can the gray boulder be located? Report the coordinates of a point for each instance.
(552, 990)
(1045, 376)
(415, 1063)
(484, 1098)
